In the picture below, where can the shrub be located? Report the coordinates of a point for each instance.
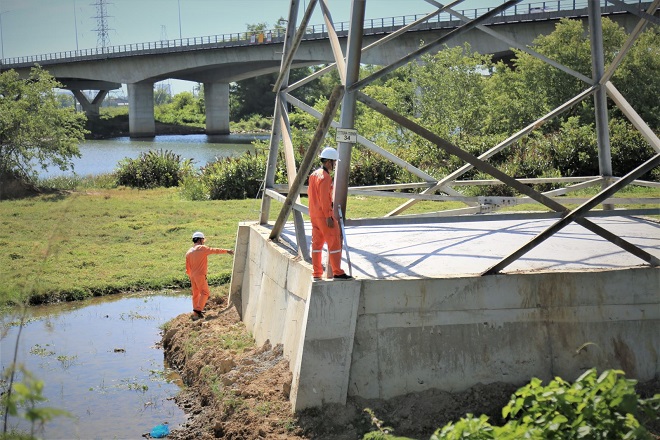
(153, 169)
(372, 169)
(193, 188)
(235, 177)
(593, 407)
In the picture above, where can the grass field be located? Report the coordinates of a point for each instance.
(95, 241)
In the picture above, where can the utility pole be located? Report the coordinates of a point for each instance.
(75, 23)
(179, 4)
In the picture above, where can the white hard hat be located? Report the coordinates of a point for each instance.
(198, 235)
(329, 153)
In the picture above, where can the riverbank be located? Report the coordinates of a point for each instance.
(117, 126)
(241, 392)
(108, 127)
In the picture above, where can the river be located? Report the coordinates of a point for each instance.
(99, 360)
(102, 156)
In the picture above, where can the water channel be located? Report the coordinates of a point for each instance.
(99, 358)
(99, 361)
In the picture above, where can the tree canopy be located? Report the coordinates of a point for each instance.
(34, 130)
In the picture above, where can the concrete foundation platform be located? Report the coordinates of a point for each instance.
(468, 248)
(419, 316)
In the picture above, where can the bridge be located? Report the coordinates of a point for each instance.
(218, 60)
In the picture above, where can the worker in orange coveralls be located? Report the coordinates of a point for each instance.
(325, 229)
(196, 268)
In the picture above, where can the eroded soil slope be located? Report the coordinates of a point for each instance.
(235, 393)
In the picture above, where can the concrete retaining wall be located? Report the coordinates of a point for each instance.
(384, 338)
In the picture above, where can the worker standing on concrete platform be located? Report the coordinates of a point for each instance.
(197, 268)
(325, 229)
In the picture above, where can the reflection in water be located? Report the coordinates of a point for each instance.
(99, 361)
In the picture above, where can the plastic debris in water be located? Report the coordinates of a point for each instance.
(160, 431)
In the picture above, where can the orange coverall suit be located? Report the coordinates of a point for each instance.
(321, 208)
(196, 268)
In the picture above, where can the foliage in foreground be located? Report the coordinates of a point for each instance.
(593, 407)
(22, 399)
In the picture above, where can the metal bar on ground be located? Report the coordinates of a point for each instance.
(439, 218)
(577, 213)
(280, 198)
(571, 188)
(343, 234)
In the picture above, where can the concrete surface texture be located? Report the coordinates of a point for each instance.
(420, 317)
(470, 247)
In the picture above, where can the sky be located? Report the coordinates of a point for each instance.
(35, 27)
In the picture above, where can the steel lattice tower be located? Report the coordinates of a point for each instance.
(102, 29)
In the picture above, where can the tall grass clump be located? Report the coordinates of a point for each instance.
(76, 182)
(152, 169)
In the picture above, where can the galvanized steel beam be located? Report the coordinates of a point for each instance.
(429, 47)
(577, 214)
(488, 168)
(347, 117)
(308, 160)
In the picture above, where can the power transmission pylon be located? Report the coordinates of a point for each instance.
(102, 29)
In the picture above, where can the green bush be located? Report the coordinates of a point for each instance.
(629, 149)
(193, 188)
(235, 177)
(594, 407)
(153, 169)
(368, 168)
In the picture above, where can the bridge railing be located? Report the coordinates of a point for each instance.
(522, 12)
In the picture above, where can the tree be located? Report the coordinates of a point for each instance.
(162, 94)
(66, 99)
(34, 130)
(534, 87)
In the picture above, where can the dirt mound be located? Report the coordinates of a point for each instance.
(233, 393)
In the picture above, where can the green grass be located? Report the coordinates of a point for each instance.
(87, 242)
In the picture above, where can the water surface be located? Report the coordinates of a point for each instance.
(100, 361)
(102, 156)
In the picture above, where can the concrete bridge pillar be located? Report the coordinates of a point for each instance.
(141, 110)
(216, 100)
(91, 108)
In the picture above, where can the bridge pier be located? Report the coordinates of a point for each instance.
(141, 121)
(216, 100)
(91, 108)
